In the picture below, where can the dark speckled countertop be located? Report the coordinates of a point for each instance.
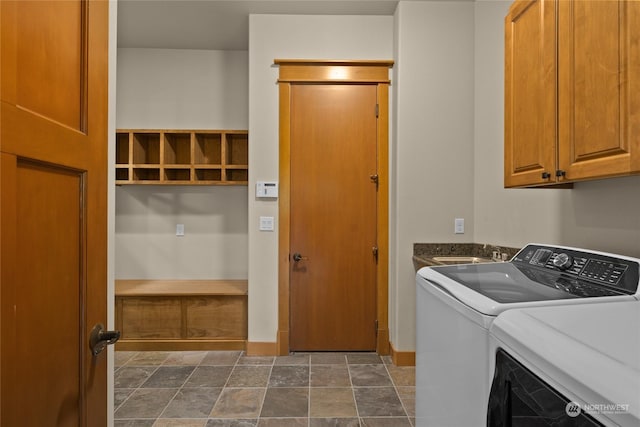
(424, 252)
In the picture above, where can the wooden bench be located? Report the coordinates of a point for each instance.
(181, 314)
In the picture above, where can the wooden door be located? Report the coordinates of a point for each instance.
(333, 217)
(53, 228)
(599, 60)
(530, 94)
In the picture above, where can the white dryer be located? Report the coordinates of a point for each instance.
(566, 366)
(457, 304)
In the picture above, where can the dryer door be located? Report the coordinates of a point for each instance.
(520, 398)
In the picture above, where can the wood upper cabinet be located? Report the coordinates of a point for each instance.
(575, 117)
(530, 93)
(599, 114)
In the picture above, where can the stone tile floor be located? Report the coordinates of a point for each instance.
(227, 388)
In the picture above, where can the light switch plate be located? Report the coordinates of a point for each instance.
(179, 230)
(459, 226)
(266, 223)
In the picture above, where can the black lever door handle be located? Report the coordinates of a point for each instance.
(100, 339)
(297, 257)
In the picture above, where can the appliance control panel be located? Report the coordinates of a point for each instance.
(604, 269)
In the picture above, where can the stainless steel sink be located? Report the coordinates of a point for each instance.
(460, 259)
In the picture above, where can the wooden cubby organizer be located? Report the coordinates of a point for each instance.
(182, 157)
(177, 315)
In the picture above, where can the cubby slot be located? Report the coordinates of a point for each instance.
(237, 175)
(237, 149)
(207, 149)
(208, 175)
(122, 174)
(177, 148)
(122, 148)
(177, 174)
(146, 148)
(144, 174)
(181, 157)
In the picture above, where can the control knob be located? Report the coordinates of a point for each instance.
(563, 261)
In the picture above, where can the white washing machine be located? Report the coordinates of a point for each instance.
(457, 304)
(566, 366)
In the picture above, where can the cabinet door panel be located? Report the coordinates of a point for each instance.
(216, 317)
(151, 318)
(530, 93)
(595, 47)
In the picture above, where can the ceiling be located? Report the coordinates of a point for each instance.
(216, 24)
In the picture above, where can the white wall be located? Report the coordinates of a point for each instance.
(280, 36)
(601, 215)
(500, 213)
(215, 244)
(434, 141)
(181, 89)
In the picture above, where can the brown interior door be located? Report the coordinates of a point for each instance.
(333, 217)
(53, 227)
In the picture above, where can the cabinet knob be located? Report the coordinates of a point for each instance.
(546, 175)
(560, 173)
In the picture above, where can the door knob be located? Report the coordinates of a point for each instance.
(297, 257)
(100, 339)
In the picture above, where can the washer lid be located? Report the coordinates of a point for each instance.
(495, 287)
(512, 282)
(502, 282)
(590, 353)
